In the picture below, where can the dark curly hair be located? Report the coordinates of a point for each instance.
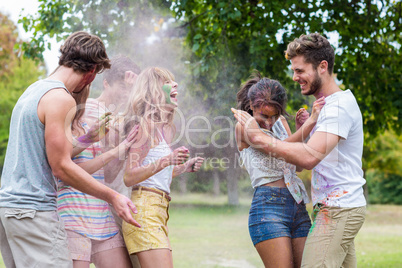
(259, 91)
(84, 52)
(314, 47)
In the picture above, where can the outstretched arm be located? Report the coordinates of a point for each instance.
(116, 153)
(56, 110)
(300, 154)
(304, 130)
(94, 134)
(191, 165)
(135, 172)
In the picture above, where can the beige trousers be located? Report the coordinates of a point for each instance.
(31, 238)
(330, 242)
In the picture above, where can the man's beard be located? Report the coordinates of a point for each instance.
(315, 85)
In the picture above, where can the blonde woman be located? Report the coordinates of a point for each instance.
(152, 164)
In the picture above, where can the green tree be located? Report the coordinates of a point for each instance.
(238, 36)
(384, 173)
(16, 74)
(230, 38)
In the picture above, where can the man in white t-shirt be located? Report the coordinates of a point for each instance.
(334, 152)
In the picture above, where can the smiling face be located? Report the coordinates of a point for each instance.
(305, 74)
(170, 90)
(265, 116)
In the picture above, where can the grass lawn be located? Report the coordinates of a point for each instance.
(205, 232)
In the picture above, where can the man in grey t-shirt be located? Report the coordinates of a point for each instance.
(39, 148)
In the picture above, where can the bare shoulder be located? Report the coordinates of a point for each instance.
(58, 97)
(285, 124)
(142, 143)
(56, 102)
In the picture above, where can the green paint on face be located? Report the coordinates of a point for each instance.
(167, 89)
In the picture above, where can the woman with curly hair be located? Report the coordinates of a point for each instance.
(278, 219)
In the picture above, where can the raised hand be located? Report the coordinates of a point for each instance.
(179, 156)
(194, 164)
(317, 106)
(125, 145)
(96, 133)
(301, 117)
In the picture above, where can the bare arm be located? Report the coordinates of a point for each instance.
(96, 133)
(286, 125)
(135, 172)
(304, 130)
(56, 110)
(112, 168)
(192, 165)
(300, 154)
(118, 152)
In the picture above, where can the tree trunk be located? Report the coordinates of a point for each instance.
(183, 184)
(232, 178)
(216, 189)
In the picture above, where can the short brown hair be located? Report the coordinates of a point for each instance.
(84, 52)
(314, 47)
(120, 64)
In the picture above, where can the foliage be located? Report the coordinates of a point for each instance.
(384, 174)
(114, 21)
(229, 38)
(385, 153)
(16, 74)
(384, 188)
(8, 37)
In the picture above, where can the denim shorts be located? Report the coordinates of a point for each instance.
(274, 213)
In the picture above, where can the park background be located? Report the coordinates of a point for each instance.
(212, 46)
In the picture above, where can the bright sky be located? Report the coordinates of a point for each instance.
(14, 9)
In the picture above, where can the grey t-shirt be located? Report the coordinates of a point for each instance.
(27, 180)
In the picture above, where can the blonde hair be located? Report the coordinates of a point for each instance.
(147, 103)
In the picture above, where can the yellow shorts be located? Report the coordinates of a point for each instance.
(153, 215)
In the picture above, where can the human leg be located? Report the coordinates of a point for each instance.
(297, 249)
(4, 245)
(152, 238)
(350, 259)
(81, 264)
(110, 253)
(135, 263)
(270, 220)
(355, 222)
(331, 236)
(300, 229)
(276, 252)
(115, 257)
(40, 233)
(156, 258)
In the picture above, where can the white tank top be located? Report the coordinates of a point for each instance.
(265, 168)
(163, 178)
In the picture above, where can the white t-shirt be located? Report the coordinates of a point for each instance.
(338, 179)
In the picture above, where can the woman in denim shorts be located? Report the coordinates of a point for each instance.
(278, 219)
